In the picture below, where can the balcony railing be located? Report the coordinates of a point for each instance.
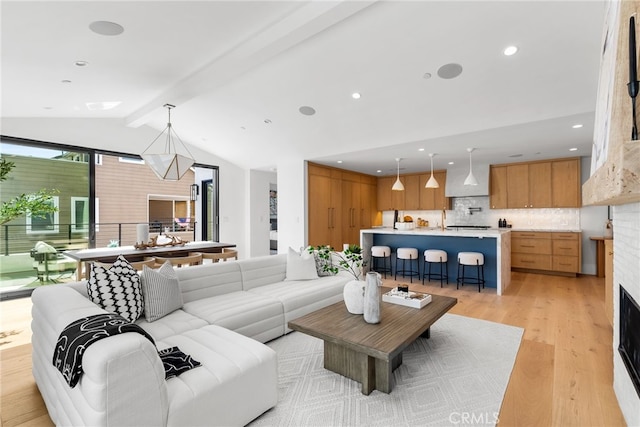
(22, 238)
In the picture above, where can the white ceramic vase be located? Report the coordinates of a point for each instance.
(353, 294)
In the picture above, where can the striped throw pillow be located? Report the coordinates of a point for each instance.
(161, 291)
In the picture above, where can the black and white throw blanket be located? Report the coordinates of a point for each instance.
(79, 335)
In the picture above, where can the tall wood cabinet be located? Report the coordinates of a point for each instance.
(543, 184)
(415, 196)
(341, 203)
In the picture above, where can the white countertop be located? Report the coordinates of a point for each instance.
(434, 231)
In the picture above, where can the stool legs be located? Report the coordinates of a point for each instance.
(479, 279)
(444, 271)
(404, 271)
(373, 262)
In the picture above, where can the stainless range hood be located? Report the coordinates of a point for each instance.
(455, 181)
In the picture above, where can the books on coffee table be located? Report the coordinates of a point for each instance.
(408, 299)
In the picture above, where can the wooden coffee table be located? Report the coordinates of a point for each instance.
(368, 353)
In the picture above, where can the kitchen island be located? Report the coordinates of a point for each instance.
(494, 243)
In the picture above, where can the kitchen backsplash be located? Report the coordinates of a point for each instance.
(475, 211)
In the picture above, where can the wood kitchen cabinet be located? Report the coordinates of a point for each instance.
(411, 192)
(542, 184)
(434, 198)
(498, 187)
(566, 189)
(341, 203)
(325, 201)
(389, 199)
(518, 186)
(552, 252)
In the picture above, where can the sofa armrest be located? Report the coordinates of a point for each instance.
(123, 381)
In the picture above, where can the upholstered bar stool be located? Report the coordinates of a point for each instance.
(435, 256)
(380, 254)
(407, 254)
(470, 260)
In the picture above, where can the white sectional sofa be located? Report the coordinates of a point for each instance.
(230, 309)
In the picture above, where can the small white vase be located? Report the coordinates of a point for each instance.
(372, 298)
(353, 294)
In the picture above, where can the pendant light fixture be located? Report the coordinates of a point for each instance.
(470, 180)
(432, 183)
(166, 162)
(398, 186)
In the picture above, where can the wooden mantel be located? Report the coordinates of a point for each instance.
(617, 181)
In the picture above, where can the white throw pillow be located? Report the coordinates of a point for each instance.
(116, 289)
(161, 291)
(300, 266)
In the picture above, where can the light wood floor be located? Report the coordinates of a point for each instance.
(562, 375)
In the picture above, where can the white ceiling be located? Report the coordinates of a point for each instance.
(229, 66)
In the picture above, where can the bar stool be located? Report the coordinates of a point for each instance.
(380, 253)
(470, 259)
(437, 256)
(410, 254)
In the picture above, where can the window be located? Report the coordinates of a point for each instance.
(79, 214)
(47, 223)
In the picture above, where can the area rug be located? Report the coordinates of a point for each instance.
(457, 377)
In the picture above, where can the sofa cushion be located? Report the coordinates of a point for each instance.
(161, 291)
(116, 289)
(253, 315)
(302, 297)
(263, 270)
(175, 323)
(209, 280)
(237, 380)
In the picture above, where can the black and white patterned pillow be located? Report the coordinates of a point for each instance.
(176, 362)
(117, 289)
(161, 291)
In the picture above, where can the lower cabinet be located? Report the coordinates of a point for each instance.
(553, 252)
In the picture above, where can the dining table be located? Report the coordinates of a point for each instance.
(109, 255)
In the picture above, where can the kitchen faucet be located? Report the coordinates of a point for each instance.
(442, 218)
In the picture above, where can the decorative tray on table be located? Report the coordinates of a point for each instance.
(408, 299)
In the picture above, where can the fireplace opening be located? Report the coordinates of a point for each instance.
(629, 347)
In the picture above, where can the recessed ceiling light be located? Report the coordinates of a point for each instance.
(356, 95)
(426, 76)
(577, 126)
(243, 128)
(516, 155)
(450, 71)
(339, 161)
(420, 149)
(379, 171)
(267, 121)
(106, 28)
(451, 163)
(65, 81)
(48, 108)
(573, 149)
(307, 111)
(81, 63)
(510, 50)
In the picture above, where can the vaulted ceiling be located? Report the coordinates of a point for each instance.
(239, 71)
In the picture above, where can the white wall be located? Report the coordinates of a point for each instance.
(292, 204)
(260, 183)
(626, 272)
